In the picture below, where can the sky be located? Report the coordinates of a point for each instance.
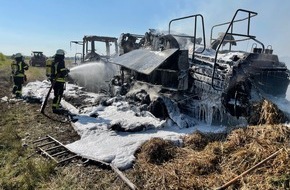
(48, 25)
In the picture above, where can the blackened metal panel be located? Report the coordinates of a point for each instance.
(143, 60)
(183, 66)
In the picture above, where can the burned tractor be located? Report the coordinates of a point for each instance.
(37, 59)
(89, 48)
(207, 83)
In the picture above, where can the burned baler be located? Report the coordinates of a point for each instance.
(241, 78)
(209, 82)
(159, 58)
(256, 76)
(159, 62)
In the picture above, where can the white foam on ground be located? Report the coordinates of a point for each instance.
(99, 142)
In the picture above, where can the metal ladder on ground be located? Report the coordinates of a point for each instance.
(55, 150)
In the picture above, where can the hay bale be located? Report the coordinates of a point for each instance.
(205, 162)
(157, 151)
(265, 112)
(196, 141)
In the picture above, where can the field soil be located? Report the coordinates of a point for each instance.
(205, 161)
(21, 123)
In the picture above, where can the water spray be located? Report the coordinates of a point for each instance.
(94, 76)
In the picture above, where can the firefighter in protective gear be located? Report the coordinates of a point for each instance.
(18, 66)
(58, 75)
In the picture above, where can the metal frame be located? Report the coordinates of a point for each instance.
(230, 28)
(93, 39)
(194, 30)
(54, 150)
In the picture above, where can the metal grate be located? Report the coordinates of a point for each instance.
(55, 150)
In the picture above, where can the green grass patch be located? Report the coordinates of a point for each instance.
(26, 174)
(4, 61)
(16, 170)
(2, 57)
(35, 73)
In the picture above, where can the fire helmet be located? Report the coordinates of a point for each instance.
(18, 55)
(60, 52)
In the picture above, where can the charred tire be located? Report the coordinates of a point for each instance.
(236, 99)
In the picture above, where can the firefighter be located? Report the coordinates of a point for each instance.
(18, 66)
(58, 75)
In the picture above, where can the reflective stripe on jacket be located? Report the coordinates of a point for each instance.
(18, 68)
(58, 71)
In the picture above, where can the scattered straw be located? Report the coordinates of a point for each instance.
(206, 164)
(265, 112)
(157, 151)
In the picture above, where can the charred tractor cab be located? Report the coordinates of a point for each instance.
(37, 59)
(91, 44)
(207, 82)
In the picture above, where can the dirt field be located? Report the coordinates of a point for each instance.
(21, 124)
(204, 162)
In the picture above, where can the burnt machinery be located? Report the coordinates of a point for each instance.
(185, 66)
(89, 52)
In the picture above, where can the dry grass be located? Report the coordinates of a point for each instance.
(81, 178)
(207, 164)
(157, 151)
(265, 112)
